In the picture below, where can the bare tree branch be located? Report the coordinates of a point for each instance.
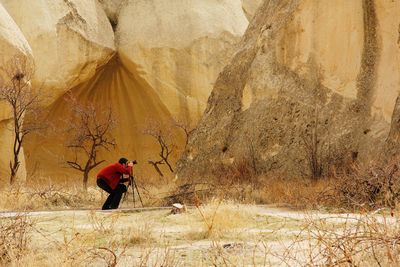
(16, 91)
(187, 126)
(163, 136)
(88, 131)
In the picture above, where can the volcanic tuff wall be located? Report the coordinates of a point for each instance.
(147, 58)
(325, 73)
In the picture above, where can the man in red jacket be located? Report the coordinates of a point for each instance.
(110, 180)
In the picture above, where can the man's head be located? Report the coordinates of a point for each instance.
(123, 161)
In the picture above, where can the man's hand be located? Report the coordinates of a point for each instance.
(130, 164)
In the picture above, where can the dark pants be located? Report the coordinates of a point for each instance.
(112, 201)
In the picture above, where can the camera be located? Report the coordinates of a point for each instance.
(133, 162)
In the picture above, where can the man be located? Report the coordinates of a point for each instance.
(110, 180)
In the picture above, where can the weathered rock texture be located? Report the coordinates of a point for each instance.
(318, 76)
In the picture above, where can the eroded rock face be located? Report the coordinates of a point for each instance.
(179, 47)
(307, 75)
(69, 40)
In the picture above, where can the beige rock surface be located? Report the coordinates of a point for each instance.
(112, 9)
(69, 39)
(168, 56)
(250, 7)
(180, 46)
(330, 67)
(388, 73)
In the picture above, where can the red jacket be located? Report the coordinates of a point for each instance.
(112, 174)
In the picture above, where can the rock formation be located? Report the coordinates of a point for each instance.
(147, 59)
(312, 87)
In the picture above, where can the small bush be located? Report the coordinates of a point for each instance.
(376, 185)
(14, 237)
(367, 240)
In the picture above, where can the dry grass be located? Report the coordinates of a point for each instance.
(139, 234)
(107, 239)
(47, 197)
(362, 187)
(220, 218)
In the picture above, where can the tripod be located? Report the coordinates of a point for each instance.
(132, 182)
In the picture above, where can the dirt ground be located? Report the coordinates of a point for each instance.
(219, 234)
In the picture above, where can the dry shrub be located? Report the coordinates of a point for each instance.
(366, 240)
(15, 235)
(371, 186)
(240, 171)
(240, 181)
(299, 193)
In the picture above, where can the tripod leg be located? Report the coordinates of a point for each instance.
(133, 192)
(125, 194)
(137, 190)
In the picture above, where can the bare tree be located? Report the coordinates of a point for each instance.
(163, 136)
(88, 131)
(187, 126)
(313, 145)
(17, 92)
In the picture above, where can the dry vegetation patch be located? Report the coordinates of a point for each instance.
(50, 196)
(15, 235)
